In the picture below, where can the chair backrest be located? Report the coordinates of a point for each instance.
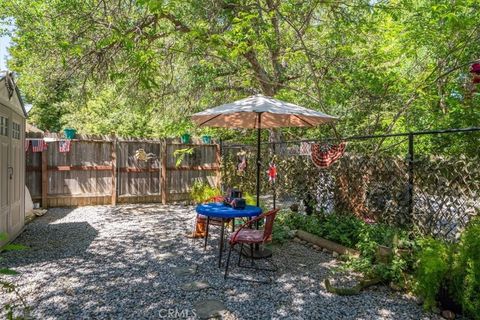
(268, 227)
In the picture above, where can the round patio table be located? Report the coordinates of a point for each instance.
(224, 212)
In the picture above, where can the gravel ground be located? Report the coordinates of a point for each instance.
(122, 263)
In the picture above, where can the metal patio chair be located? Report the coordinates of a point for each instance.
(246, 235)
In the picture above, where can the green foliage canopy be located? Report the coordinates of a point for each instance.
(141, 67)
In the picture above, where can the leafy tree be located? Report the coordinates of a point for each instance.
(141, 67)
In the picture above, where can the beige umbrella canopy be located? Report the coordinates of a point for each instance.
(260, 112)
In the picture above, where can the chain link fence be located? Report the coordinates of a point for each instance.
(400, 181)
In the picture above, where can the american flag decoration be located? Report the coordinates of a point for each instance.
(64, 146)
(39, 145)
(305, 148)
(27, 145)
(323, 155)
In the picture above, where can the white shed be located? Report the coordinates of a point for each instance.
(12, 157)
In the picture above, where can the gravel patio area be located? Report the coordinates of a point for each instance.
(134, 262)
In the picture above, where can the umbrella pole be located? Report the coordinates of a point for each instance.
(259, 158)
(259, 253)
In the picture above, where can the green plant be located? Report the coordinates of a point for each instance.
(18, 304)
(433, 266)
(180, 155)
(285, 224)
(466, 270)
(353, 232)
(202, 192)
(249, 199)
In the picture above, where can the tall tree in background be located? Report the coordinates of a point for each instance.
(140, 67)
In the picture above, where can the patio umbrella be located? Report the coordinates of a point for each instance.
(260, 112)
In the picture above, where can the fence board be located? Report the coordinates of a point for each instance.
(33, 178)
(138, 177)
(201, 165)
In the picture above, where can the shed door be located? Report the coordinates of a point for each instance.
(4, 160)
(16, 180)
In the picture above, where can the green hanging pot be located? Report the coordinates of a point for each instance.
(69, 133)
(207, 139)
(185, 138)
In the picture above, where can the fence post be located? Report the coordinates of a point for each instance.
(113, 149)
(410, 174)
(163, 172)
(44, 179)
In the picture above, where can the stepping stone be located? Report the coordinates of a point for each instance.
(185, 271)
(163, 256)
(195, 286)
(211, 308)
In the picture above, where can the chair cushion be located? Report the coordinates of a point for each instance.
(248, 236)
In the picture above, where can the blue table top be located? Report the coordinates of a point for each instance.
(219, 210)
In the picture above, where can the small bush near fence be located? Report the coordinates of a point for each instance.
(355, 233)
(450, 273)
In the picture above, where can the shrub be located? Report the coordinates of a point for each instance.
(466, 271)
(202, 191)
(249, 199)
(433, 265)
(353, 232)
(285, 223)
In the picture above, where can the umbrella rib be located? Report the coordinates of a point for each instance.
(311, 125)
(210, 119)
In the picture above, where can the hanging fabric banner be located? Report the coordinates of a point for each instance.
(64, 146)
(323, 155)
(242, 162)
(39, 145)
(305, 148)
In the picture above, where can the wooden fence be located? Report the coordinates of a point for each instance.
(104, 170)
